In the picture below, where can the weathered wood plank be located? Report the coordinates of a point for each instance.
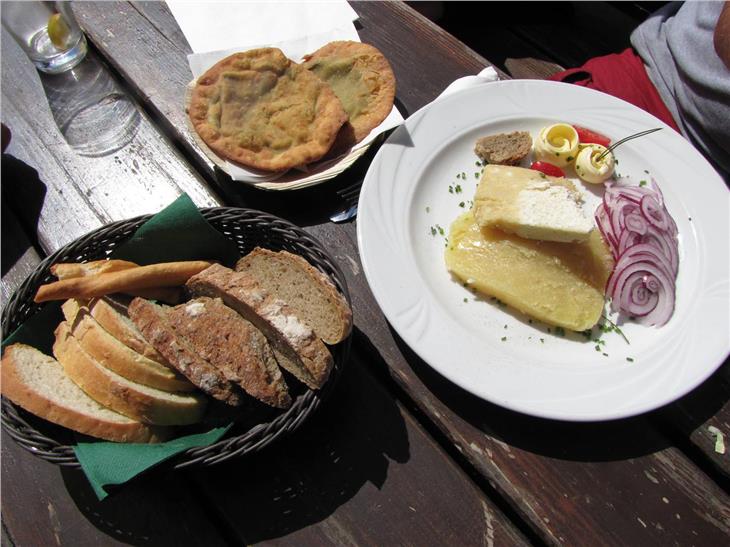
(360, 473)
(44, 505)
(143, 176)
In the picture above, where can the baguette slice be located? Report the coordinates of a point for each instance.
(137, 401)
(112, 314)
(309, 292)
(109, 352)
(38, 383)
(232, 345)
(152, 321)
(297, 348)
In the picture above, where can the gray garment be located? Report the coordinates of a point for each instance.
(676, 45)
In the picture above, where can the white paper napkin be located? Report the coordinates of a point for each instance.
(484, 77)
(214, 25)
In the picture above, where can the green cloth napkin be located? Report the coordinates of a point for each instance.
(107, 464)
(178, 232)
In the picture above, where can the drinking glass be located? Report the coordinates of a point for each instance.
(47, 32)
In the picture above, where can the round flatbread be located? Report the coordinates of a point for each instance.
(361, 78)
(260, 109)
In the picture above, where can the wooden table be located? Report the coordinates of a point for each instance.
(399, 455)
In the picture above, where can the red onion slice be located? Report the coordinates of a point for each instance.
(642, 237)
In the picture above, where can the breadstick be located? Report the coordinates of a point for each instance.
(167, 274)
(81, 269)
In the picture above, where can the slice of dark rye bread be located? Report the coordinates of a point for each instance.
(505, 148)
(297, 348)
(233, 345)
(307, 290)
(39, 384)
(154, 325)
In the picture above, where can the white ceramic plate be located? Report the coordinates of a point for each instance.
(406, 192)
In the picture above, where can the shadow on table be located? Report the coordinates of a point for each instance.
(291, 485)
(23, 193)
(589, 441)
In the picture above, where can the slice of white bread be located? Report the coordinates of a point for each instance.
(112, 354)
(152, 321)
(297, 348)
(111, 313)
(309, 292)
(38, 383)
(233, 345)
(137, 401)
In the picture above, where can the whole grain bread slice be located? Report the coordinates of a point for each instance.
(153, 323)
(114, 355)
(308, 291)
(232, 345)
(136, 401)
(38, 383)
(504, 148)
(297, 348)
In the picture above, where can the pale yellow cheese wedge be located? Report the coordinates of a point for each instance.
(530, 204)
(558, 283)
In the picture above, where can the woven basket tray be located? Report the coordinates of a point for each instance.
(247, 228)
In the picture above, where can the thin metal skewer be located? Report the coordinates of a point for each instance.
(614, 145)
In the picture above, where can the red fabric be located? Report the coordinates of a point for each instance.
(622, 75)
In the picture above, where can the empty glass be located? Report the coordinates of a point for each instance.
(47, 32)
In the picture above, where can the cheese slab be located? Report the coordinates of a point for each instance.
(530, 204)
(558, 283)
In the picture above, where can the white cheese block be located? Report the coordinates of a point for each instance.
(530, 204)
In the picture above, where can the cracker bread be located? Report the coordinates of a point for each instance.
(260, 109)
(297, 348)
(308, 291)
(232, 345)
(152, 321)
(362, 79)
(38, 383)
(136, 401)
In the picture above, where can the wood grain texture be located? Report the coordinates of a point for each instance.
(19, 258)
(62, 186)
(45, 505)
(362, 472)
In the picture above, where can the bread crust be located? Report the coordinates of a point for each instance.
(285, 116)
(114, 319)
(125, 398)
(341, 314)
(114, 355)
(234, 346)
(373, 75)
(67, 270)
(26, 397)
(298, 349)
(167, 274)
(150, 319)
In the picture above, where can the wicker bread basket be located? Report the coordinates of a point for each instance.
(247, 228)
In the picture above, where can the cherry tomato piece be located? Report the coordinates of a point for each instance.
(547, 168)
(588, 136)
